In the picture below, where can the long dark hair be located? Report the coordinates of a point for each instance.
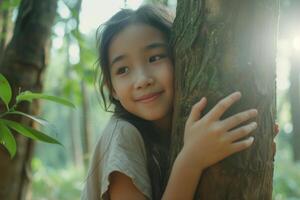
(156, 145)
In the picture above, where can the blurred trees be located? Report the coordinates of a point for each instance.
(229, 46)
(23, 63)
(5, 23)
(79, 62)
(164, 2)
(294, 91)
(290, 30)
(294, 94)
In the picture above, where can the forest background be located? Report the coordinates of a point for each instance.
(59, 171)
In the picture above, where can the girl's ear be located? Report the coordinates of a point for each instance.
(115, 96)
(112, 91)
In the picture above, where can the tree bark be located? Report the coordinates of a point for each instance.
(220, 47)
(23, 64)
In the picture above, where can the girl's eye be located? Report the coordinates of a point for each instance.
(156, 57)
(122, 70)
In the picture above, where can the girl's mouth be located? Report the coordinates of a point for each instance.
(149, 97)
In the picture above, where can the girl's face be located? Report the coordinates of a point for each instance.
(142, 72)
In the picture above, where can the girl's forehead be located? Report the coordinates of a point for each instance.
(134, 37)
(138, 31)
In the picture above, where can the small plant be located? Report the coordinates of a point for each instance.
(6, 137)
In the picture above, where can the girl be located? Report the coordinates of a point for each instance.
(130, 159)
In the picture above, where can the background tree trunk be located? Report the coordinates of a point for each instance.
(24, 62)
(221, 47)
(290, 29)
(294, 93)
(76, 149)
(5, 28)
(86, 127)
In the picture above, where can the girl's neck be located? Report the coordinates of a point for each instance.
(164, 125)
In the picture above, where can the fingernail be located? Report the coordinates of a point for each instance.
(239, 93)
(254, 125)
(251, 138)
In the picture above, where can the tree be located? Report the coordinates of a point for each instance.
(220, 47)
(23, 63)
(290, 19)
(294, 93)
(5, 25)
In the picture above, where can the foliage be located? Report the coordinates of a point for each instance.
(9, 4)
(6, 137)
(64, 184)
(286, 180)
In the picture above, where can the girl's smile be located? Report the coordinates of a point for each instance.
(149, 97)
(142, 72)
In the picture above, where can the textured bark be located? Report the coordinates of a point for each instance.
(222, 46)
(23, 64)
(294, 92)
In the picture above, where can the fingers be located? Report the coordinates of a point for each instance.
(276, 129)
(239, 118)
(196, 111)
(241, 145)
(240, 132)
(223, 105)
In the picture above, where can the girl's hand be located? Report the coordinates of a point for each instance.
(208, 139)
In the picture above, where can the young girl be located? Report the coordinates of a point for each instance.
(131, 157)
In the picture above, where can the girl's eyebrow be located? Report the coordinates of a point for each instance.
(117, 59)
(153, 45)
(156, 45)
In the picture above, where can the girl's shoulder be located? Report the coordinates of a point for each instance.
(120, 129)
(119, 148)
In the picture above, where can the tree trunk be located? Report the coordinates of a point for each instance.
(220, 47)
(5, 29)
(294, 92)
(76, 149)
(86, 126)
(24, 62)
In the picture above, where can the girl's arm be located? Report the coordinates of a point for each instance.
(121, 187)
(206, 141)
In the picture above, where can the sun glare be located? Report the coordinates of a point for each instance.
(95, 13)
(296, 43)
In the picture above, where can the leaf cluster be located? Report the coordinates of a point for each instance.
(6, 137)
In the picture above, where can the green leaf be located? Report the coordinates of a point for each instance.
(29, 96)
(5, 90)
(7, 139)
(39, 120)
(29, 132)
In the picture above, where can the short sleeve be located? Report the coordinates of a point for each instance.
(122, 149)
(127, 155)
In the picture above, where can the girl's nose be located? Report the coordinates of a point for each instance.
(144, 79)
